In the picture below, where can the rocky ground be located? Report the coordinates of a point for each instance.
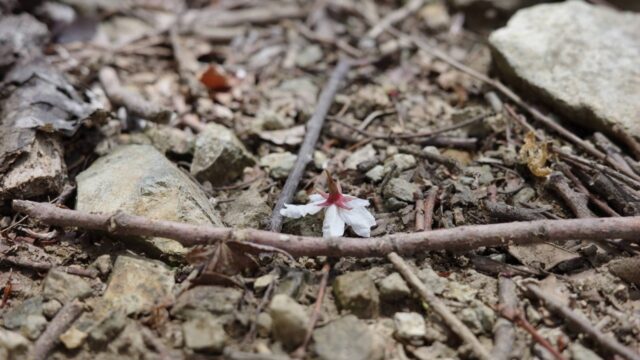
(442, 114)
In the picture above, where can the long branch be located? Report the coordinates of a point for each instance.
(462, 238)
(314, 127)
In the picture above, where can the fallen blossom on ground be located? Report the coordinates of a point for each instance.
(341, 210)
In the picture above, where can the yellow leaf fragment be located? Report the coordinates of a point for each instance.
(535, 155)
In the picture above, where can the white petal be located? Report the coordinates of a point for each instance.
(316, 198)
(333, 224)
(298, 211)
(360, 220)
(356, 202)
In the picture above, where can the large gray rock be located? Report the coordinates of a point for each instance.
(205, 334)
(580, 59)
(13, 346)
(219, 155)
(356, 292)
(64, 287)
(137, 179)
(214, 299)
(27, 318)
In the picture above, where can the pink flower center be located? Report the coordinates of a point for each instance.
(336, 199)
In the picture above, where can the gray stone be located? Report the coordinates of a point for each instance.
(137, 179)
(524, 195)
(219, 155)
(356, 292)
(108, 328)
(393, 288)
(376, 173)
(400, 189)
(263, 282)
(481, 173)
(347, 339)
(103, 264)
(27, 318)
(364, 154)
(400, 161)
(249, 210)
(569, 55)
(205, 334)
(290, 321)
(138, 284)
(478, 317)
(410, 326)
(309, 56)
(435, 351)
(436, 283)
(50, 308)
(269, 119)
(62, 286)
(13, 346)
(264, 323)
(170, 139)
(278, 164)
(214, 299)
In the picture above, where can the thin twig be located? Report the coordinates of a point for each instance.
(420, 211)
(314, 127)
(504, 332)
(515, 315)
(392, 18)
(300, 352)
(58, 325)
(42, 266)
(429, 206)
(439, 307)
(581, 322)
(463, 238)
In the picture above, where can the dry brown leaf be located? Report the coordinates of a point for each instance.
(214, 80)
(535, 155)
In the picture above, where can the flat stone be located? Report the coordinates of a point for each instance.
(569, 55)
(51, 308)
(364, 154)
(219, 157)
(249, 210)
(27, 318)
(376, 173)
(290, 321)
(400, 189)
(393, 288)
(205, 334)
(170, 139)
(580, 352)
(138, 284)
(482, 173)
(13, 346)
(309, 56)
(356, 292)
(214, 299)
(347, 339)
(64, 287)
(400, 161)
(279, 164)
(626, 269)
(410, 326)
(139, 180)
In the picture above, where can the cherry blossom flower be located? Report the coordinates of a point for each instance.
(341, 210)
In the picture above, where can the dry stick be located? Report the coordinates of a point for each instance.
(420, 211)
(463, 238)
(392, 18)
(566, 170)
(504, 331)
(430, 204)
(504, 90)
(42, 266)
(314, 127)
(135, 104)
(439, 307)
(611, 149)
(519, 319)
(58, 325)
(300, 352)
(581, 322)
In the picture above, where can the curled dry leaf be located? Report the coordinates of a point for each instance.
(291, 136)
(535, 155)
(215, 80)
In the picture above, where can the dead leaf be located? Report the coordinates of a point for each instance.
(214, 80)
(291, 136)
(535, 155)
